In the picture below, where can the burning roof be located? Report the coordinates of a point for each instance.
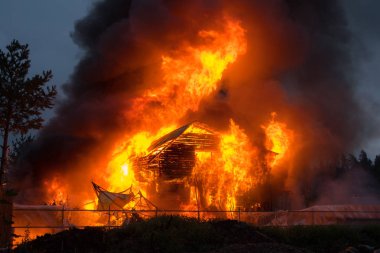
(173, 155)
(194, 134)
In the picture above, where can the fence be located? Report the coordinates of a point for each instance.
(30, 222)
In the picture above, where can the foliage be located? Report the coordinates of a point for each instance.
(364, 161)
(22, 98)
(376, 167)
(18, 145)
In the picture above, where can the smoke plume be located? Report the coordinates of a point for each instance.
(297, 64)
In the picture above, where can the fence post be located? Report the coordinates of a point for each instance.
(239, 214)
(109, 217)
(199, 215)
(63, 216)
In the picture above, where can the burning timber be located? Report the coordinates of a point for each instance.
(173, 155)
(168, 167)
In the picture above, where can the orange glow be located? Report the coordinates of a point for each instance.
(197, 70)
(224, 175)
(278, 138)
(90, 204)
(57, 192)
(120, 169)
(189, 74)
(236, 159)
(220, 176)
(192, 73)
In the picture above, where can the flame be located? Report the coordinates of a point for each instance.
(278, 139)
(198, 70)
(225, 174)
(191, 73)
(56, 191)
(236, 158)
(120, 170)
(90, 204)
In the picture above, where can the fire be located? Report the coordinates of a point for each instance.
(216, 178)
(90, 204)
(220, 176)
(278, 138)
(56, 191)
(189, 74)
(125, 169)
(192, 72)
(236, 158)
(120, 169)
(198, 70)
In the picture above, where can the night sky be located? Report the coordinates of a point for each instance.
(46, 26)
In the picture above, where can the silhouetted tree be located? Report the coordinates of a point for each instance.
(364, 161)
(352, 161)
(376, 167)
(22, 98)
(341, 167)
(18, 145)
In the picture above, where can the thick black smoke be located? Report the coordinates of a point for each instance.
(298, 64)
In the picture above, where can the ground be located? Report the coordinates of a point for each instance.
(178, 234)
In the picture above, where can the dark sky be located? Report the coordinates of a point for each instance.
(46, 26)
(364, 20)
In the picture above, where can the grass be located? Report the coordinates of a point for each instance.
(171, 234)
(332, 238)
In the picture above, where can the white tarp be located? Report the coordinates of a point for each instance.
(111, 200)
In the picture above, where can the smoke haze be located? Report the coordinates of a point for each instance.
(297, 64)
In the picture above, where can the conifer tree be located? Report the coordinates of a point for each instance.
(22, 98)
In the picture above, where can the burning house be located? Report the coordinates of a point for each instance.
(168, 166)
(149, 66)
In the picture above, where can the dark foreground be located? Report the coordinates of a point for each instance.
(168, 234)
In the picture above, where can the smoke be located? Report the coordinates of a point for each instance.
(298, 64)
(355, 187)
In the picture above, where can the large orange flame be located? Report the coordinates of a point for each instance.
(189, 74)
(56, 190)
(192, 73)
(278, 139)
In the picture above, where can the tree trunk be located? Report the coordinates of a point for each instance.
(6, 209)
(5, 200)
(4, 156)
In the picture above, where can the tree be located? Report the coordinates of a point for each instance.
(376, 167)
(364, 161)
(22, 98)
(18, 145)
